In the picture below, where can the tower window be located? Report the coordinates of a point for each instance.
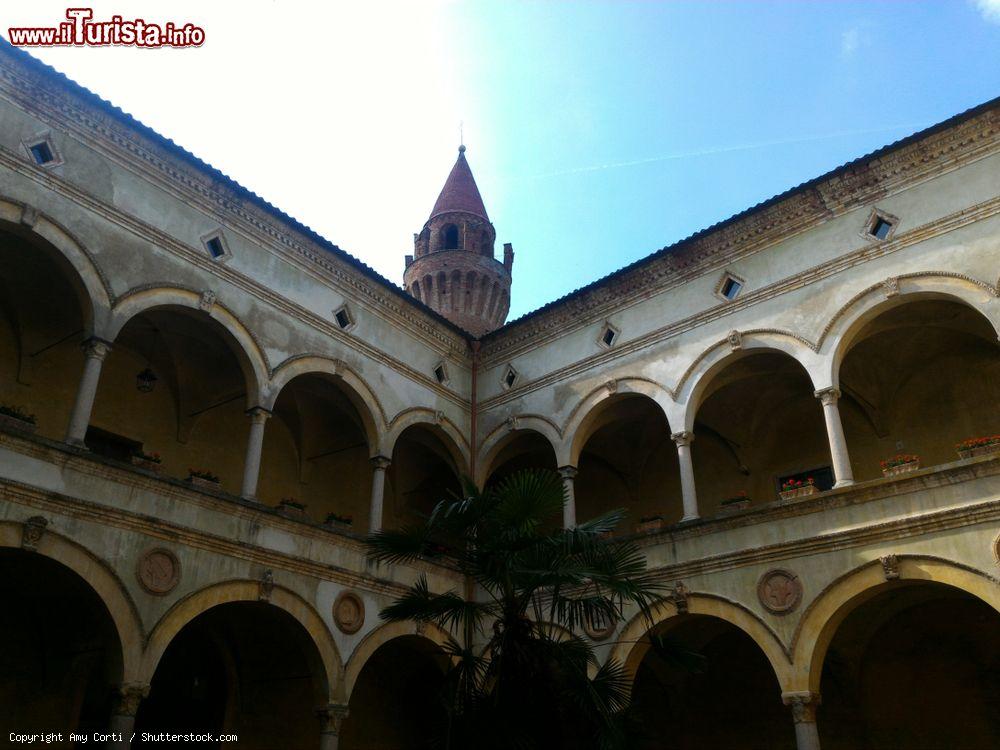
(451, 237)
(215, 248)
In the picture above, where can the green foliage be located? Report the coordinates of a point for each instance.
(520, 677)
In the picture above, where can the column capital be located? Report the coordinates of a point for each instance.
(683, 438)
(567, 472)
(96, 348)
(332, 717)
(803, 704)
(380, 462)
(129, 697)
(258, 414)
(828, 395)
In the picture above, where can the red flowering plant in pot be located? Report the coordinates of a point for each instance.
(335, 519)
(292, 506)
(901, 463)
(792, 488)
(980, 446)
(148, 461)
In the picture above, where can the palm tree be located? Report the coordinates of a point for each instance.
(520, 677)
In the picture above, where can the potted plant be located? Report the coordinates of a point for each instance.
(980, 446)
(148, 461)
(335, 519)
(901, 463)
(650, 523)
(203, 478)
(793, 488)
(291, 506)
(739, 501)
(15, 418)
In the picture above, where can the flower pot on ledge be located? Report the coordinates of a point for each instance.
(203, 482)
(8, 422)
(653, 524)
(147, 464)
(797, 492)
(292, 508)
(340, 523)
(895, 471)
(980, 450)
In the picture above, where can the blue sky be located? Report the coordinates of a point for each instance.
(598, 132)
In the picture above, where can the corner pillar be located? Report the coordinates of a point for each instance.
(94, 350)
(255, 445)
(380, 465)
(126, 706)
(835, 433)
(568, 474)
(689, 495)
(331, 718)
(803, 705)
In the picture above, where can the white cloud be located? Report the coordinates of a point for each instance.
(990, 9)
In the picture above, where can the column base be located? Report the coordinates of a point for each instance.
(685, 519)
(843, 483)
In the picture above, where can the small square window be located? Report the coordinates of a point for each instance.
(343, 318)
(608, 336)
(509, 377)
(730, 288)
(215, 247)
(881, 228)
(42, 153)
(441, 373)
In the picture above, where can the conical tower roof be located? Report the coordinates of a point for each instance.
(460, 192)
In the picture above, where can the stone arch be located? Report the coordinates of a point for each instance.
(448, 432)
(699, 375)
(89, 281)
(506, 433)
(629, 648)
(105, 583)
(187, 609)
(379, 637)
(252, 359)
(840, 333)
(363, 398)
(416, 290)
(828, 610)
(577, 428)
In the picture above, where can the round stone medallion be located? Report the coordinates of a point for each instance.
(996, 549)
(349, 612)
(159, 571)
(600, 629)
(780, 591)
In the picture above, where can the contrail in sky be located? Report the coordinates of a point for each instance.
(723, 150)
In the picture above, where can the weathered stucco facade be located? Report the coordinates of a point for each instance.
(294, 373)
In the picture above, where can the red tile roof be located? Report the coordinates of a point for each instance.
(460, 192)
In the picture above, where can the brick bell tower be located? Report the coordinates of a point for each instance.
(452, 268)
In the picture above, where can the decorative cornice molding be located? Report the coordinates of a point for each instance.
(132, 150)
(801, 280)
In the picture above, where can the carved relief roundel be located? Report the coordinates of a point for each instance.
(780, 591)
(996, 549)
(349, 612)
(159, 571)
